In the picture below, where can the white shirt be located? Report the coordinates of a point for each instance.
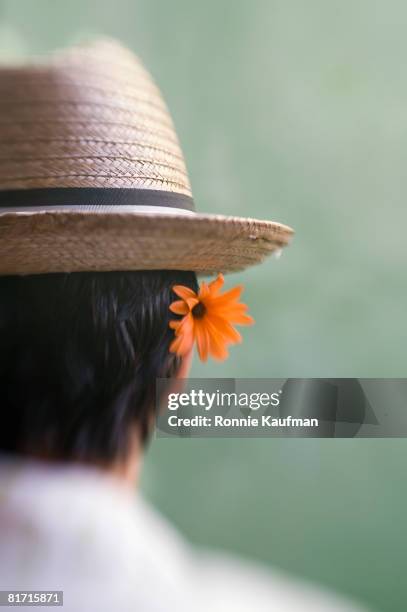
(76, 529)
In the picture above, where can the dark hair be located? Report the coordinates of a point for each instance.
(79, 358)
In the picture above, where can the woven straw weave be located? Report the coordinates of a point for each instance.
(87, 120)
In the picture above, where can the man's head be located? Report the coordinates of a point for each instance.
(79, 358)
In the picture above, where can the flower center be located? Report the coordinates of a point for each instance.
(198, 311)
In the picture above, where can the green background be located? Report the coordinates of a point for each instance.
(294, 111)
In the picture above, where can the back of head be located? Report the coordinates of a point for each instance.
(79, 357)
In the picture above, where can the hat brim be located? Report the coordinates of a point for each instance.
(55, 241)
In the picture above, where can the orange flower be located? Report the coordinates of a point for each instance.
(207, 319)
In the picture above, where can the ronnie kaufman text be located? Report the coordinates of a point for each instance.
(221, 421)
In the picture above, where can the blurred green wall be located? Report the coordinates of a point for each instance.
(294, 111)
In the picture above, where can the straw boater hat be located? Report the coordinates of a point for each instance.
(92, 176)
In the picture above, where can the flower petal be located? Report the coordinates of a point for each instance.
(228, 297)
(216, 285)
(217, 348)
(202, 339)
(226, 329)
(184, 292)
(234, 314)
(225, 308)
(174, 324)
(180, 307)
(192, 302)
(203, 291)
(241, 319)
(217, 342)
(184, 336)
(181, 345)
(186, 324)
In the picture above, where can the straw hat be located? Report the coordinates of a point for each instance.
(92, 176)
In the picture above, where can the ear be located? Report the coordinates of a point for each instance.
(186, 363)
